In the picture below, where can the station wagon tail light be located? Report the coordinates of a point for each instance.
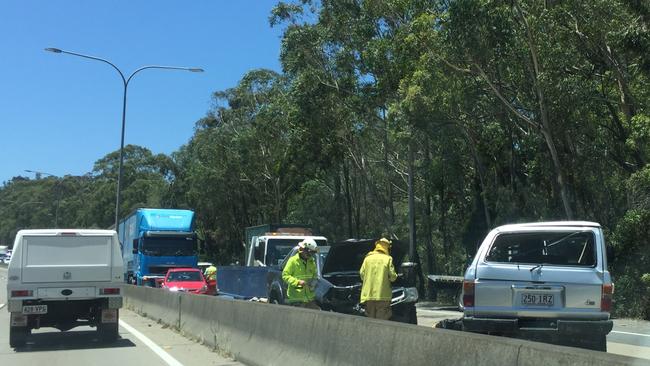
(21, 293)
(109, 291)
(606, 298)
(468, 294)
(68, 233)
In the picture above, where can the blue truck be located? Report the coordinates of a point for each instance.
(155, 240)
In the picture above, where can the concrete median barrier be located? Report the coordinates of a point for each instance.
(154, 303)
(265, 334)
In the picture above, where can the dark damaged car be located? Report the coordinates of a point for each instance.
(339, 287)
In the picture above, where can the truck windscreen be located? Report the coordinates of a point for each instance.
(279, 248)
(176, 247)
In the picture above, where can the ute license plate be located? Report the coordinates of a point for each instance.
(34, 309)
(529, 299)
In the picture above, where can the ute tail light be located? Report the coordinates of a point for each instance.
(606, 298)
(109, 291)
(22, 293)
(468, 294)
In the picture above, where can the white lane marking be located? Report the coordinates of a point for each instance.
(636, 334)
(2, 306)
(171, 361)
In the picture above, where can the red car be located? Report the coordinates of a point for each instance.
(185, 279)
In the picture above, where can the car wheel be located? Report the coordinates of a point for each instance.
(18, 336)
(413, 316)
(275, 299)
(597, 343)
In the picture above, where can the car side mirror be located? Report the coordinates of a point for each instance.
(135, 246)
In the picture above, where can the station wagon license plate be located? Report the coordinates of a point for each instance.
(34, 309)
(529, 299)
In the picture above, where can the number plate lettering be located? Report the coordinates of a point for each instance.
(34, 309)
(537, 299)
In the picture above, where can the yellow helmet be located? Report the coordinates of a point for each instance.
(383, 245)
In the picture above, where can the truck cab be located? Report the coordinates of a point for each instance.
(271, 249)
(268, 245)
(266, 248)
(156, 240)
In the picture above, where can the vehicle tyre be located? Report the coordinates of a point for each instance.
(275, 298)
(597, 343)
(108, 332)
(413, 315)
(18, 336)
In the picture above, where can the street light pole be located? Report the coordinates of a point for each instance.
(58, 192)
(125, 81)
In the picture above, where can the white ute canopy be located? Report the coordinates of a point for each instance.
(66, 256)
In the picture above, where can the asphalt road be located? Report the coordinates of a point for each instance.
(142, 342)
(629, 337)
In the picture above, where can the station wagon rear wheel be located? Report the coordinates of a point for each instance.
(597, 343)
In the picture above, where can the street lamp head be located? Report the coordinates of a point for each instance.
(195, 69)
(55, 50)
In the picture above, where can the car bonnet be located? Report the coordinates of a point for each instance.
(348, 255)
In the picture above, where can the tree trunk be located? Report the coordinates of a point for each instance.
(348, 197)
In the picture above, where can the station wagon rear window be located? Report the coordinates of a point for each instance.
(572, 248)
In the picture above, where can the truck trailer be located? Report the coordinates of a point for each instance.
(155, 240)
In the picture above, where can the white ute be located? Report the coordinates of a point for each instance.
(63, 279)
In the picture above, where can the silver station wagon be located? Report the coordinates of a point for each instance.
(545, 281)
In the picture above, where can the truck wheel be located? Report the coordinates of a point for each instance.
(18, 336)
(108, 332)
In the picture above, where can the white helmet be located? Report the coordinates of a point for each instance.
(308, 244)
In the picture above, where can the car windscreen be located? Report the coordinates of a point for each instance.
(184, 276)
(169, 246)
(574, 248)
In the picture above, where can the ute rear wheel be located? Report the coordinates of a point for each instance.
(18, 336)
(109, 332)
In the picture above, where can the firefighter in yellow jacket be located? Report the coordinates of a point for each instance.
(377, 272)
(300, 275)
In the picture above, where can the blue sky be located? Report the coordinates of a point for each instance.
(60, 113)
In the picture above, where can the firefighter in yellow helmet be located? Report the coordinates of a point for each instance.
(300, 275)
(377, 272)
(210, 273)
